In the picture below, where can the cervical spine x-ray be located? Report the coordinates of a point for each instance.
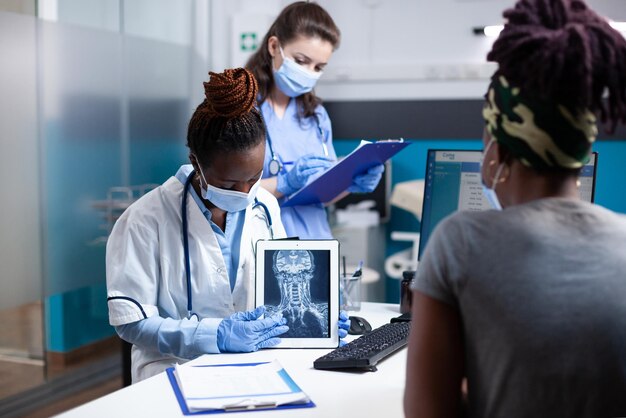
(297, 283)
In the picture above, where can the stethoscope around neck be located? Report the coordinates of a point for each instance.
(275, 165)
(183, 210)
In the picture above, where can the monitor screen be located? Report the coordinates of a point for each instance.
(453, 182)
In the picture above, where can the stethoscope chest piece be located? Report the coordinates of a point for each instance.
(274, 166)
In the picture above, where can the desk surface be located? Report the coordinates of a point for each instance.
(345, 394)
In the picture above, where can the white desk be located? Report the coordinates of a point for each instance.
(336, 394)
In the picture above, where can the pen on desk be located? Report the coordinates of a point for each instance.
(349, 282)
(248, 407)
(355, 276)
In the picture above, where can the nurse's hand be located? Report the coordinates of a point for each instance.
(305, 168)
(366, 183)
(343, 325)
(244, 332)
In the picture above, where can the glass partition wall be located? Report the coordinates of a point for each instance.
(95, 98)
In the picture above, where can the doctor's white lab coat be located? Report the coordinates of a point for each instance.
(145, 266)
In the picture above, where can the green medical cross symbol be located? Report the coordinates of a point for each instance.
(248, 41)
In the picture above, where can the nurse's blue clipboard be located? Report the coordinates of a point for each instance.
(339, 177)
(183, 405)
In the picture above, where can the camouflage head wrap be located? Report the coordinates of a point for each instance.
(540, 133)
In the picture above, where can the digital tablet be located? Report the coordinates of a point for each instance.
(300, 279)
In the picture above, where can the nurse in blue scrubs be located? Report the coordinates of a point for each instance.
(299, 144)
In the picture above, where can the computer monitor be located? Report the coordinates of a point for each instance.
(453, 182)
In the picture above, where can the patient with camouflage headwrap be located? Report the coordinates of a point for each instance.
(528, 303)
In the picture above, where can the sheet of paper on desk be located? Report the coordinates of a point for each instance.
(237, 386)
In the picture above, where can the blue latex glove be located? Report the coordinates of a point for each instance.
(366, 183)
(305, 168)
(343, 325)
(244, 332)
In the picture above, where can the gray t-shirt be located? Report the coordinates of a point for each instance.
(541, 290)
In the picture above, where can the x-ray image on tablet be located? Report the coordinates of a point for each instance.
(295, 280)
(296, 286)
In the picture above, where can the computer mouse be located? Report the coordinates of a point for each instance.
(358, 326)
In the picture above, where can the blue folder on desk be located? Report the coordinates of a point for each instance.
(185, 409)
(338, 178)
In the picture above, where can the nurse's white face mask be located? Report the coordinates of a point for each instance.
(229, 200)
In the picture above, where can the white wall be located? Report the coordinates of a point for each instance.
(394, 49)
(407, 49)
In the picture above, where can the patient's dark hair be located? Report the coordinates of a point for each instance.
(563, 51)
(227, 120)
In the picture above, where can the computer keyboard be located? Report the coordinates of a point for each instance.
(368, 349)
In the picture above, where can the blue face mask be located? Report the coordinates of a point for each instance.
(293, 79)
(490, 193)
(229, 200)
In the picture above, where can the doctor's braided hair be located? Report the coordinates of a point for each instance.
(227, 120)
(563, 51)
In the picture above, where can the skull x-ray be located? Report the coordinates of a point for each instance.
(297, 284)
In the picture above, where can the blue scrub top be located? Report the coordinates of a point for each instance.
(293, 138)
(229, 240)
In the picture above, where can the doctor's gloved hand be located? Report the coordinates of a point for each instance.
(343, 325)
(244, 332)
(366, 183)
(304, 168)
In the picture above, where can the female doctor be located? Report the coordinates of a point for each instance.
(295, 52)
(180, 260)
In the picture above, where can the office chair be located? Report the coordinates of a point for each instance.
(126, 363)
